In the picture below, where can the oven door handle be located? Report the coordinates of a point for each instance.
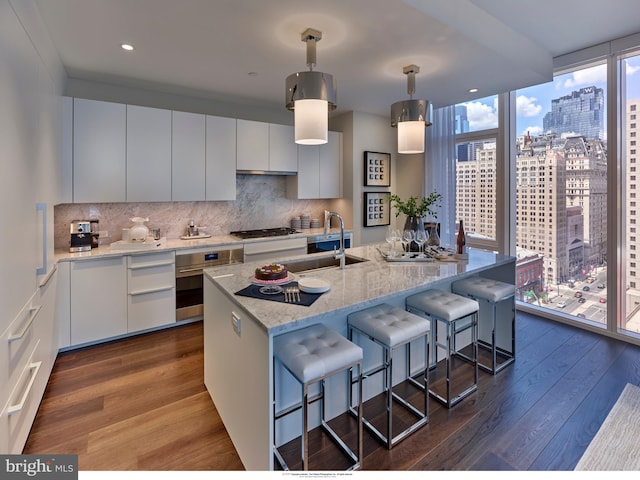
(190, 270)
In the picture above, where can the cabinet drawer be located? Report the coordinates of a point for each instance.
(20, 410)
(17, 343)
(150, 260)
(151, 279)
(150, 310)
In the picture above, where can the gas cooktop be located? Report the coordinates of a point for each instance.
(265, 232)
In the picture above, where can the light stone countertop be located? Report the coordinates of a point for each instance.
(356, 287)
(104, 251)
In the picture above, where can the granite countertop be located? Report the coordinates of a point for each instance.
(357, 286)
(105, 251)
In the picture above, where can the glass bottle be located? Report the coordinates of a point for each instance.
(461, 241)
(434, 238)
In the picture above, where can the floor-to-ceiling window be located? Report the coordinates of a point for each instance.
(574, 170)
(479, 161)
(629, 72)
(561, 193)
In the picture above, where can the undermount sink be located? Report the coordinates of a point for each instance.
(317, 263)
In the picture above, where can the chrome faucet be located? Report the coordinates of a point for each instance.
(327, 222)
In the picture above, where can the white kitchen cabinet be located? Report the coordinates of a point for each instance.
(151, 290)
(283, 151)
(99, 151)
(319, 170)
(188, 156)
(148, 154)
(98, 299)
(27, 350)
(330, 178)
(252, 145)
(220, 158)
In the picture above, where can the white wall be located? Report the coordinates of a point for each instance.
(367, 132)
(31, 84)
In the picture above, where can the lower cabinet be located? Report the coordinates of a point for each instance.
(98, 299)
(114, 296)
(28, 349)
(151, 290)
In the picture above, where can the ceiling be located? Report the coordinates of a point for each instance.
(242, 50)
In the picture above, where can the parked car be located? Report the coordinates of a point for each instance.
(590, 280)
(601, 286)
(561, 304)
(581, 315)
(586, 288)
(577, 294)
(582, 300)
(603, 300)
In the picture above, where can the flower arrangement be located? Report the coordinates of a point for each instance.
(416, 206)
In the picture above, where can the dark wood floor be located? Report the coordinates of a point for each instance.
(140, 404)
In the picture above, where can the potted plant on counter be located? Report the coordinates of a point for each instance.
(416, 208)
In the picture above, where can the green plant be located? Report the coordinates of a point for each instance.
(416, 206)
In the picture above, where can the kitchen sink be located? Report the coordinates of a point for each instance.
(317, 263)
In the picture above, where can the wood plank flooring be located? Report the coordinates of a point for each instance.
(140, 404)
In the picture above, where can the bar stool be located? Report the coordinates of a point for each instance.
(492, 292)
(312, 355)
(457, 314)
(390, 328)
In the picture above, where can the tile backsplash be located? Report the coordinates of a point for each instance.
(260, 203)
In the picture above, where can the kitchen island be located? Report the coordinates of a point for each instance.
(239, 332)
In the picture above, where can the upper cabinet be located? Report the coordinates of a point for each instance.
(319, 170)
(188, 137)
(220, 158)
(265, 147)
(129, 153)
(99, 151)
(148, 154)
(283, 151)
(252, 146)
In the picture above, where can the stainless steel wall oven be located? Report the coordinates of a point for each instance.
(189, 280)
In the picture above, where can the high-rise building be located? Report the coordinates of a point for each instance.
(476, 190)
(579, 113)
(462, 122)
(561, 203)
(632, 210)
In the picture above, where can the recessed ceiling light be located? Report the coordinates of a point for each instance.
(473, 90)
(126, 46)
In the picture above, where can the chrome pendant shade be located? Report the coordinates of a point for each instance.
(311, 95)
(411, 116)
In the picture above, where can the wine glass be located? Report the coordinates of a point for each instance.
(421, 238)
(390, 238)
(407, 238)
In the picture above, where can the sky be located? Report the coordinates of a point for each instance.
(533, 103)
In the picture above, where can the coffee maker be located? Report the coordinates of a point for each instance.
(80, 236)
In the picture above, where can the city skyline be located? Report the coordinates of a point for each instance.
(532, 103)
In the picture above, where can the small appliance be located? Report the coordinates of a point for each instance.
(81, 238)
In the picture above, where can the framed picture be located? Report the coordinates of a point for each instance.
(377, 171)
(377, 209)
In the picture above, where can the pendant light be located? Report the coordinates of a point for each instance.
(311, 95)
(411, 116)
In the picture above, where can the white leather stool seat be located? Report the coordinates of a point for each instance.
(389, 325)
(485, 288)
(314, 352)
(445, 305)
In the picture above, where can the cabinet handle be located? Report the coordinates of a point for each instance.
(151, 290)
(42, 207)
(33, 313)
(151, 265)
(34, 367)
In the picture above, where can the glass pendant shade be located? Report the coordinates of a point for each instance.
(411, 137)
(311, 121)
